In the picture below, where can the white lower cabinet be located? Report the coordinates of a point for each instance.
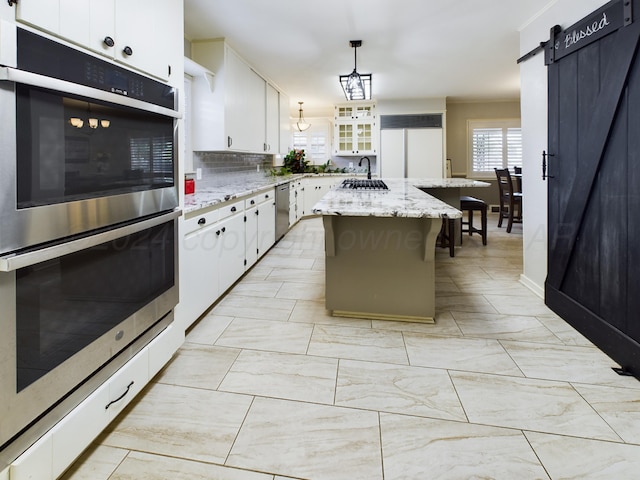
(267, 225)
(231, 254)
(251, 232)
(79, 428)
(199, 285)
(57, 449)
(296, 201)
(218, 246)
(314, 189)
(260, 226)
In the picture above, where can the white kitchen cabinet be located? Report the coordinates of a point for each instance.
(296, 201)
(355, 129)
(285, 124)
(266, 223)
(58, 448)
(199, 285)
(231, 254)
(231, 115)
(272, 120)
(79, 428)
(44, 14)
(145, 34)
(278, 122)
(251, 231)
(127, 382)
(314, 189)
(260, 226)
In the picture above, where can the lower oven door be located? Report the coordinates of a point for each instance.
(68, 309)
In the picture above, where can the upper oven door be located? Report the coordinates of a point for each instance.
(75, 157)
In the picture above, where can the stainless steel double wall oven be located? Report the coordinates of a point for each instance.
(88, 223)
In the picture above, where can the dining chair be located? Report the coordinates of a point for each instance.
(510, 201)
(517, 171)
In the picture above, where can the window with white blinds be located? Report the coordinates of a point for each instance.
(494, 144)
(152, 156)
(314, 143)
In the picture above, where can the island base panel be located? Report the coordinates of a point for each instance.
(381, 267)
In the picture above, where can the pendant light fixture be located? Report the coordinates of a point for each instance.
(356, 86)
(301, 124)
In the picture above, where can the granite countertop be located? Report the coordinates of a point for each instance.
(211, 193)
(403, 199)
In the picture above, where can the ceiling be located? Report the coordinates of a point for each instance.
(465, 50)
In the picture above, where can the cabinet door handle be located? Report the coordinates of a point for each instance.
(120, 397)
(202, 221)
(224, 229)
(127, 51)
(108, 41)
(218, 232)
(257, 212)
(229, 141)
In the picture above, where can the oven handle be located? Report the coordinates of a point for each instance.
(13, 262)
(35, 80)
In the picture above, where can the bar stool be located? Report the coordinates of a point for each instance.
(470, 205)
(446, 235)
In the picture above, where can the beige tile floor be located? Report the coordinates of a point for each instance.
(269, 386)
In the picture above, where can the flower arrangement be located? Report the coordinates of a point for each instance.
(295, 162)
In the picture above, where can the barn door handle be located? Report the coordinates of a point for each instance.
(544, 164)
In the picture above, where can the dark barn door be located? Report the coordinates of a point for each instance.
(593, 277)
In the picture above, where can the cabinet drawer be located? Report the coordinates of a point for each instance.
(127, 383)
(260, 198)
(231, 208)
(200, 220)
(79, 428)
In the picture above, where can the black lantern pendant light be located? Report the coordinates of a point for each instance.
(356, 86)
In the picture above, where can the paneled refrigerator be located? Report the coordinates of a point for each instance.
(411, 146)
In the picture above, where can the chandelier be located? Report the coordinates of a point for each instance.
(356, 86)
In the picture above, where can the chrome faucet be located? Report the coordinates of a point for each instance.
(368, 166)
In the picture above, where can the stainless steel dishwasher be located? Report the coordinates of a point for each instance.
(282, 210)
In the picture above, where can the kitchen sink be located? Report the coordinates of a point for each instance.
(363, 184)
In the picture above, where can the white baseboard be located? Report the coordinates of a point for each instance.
(531, 285)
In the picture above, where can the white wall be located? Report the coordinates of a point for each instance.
(533, 107)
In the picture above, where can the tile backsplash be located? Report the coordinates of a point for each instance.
(215, 164)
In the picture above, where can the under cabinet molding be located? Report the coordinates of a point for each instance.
(196, 70)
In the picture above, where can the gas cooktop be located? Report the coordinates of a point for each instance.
(362, 184)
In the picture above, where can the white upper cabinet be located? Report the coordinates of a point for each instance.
(241, 111)
(355, 129)
(285, 124)
(222, 111)
(272, 141)
(143, 34)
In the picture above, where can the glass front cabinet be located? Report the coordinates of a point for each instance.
(355, 129)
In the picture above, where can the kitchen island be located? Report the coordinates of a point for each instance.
(380, 248)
